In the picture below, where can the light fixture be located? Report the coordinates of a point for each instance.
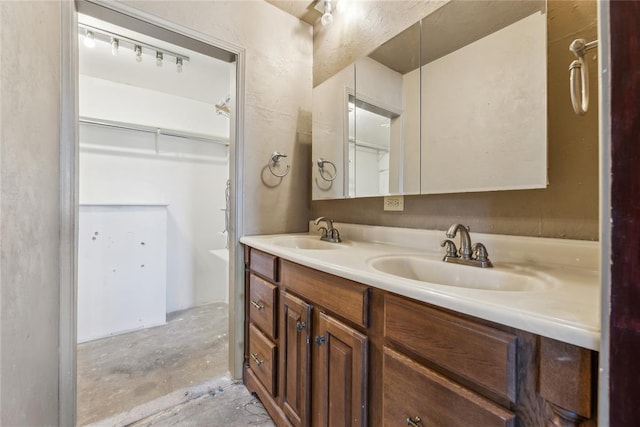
(138, 50)
(92, 35)
(327, 16)
(89, 39)
(115, 44)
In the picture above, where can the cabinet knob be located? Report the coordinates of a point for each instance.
(320, 339)
(257, 305)
(255, 358)
(301, 326)
(414, 422)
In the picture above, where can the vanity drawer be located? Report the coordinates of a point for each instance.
(262, 358)
(413, 391)
(266, 265)
(478, 353)
(262, 305)
(343, 297)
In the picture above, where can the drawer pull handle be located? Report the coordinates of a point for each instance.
(320, 339)
(255, 358)
(301, 325)
(414, 422)
(257, 305)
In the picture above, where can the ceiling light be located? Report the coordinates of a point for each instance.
(159, 59)
(89, 39)
(115, 44)
(327, 16)
(179, 64)
(138, 50)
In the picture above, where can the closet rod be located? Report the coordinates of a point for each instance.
(153, 130)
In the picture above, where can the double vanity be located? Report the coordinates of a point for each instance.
(378, 330)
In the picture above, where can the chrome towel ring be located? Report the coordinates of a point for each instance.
(275, 161)
(580, 89)
(321, 162)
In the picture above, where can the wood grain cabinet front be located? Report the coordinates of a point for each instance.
(263, 305)
(483, 355)
(295, 359)
(262, 359)
(341, 386)
(417, 396)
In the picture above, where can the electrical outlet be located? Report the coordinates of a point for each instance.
(394, 203)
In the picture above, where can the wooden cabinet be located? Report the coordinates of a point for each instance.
(416, 394)
(326, 351)
(295, 362)
(342, 367)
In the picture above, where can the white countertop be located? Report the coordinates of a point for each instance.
(567, 309)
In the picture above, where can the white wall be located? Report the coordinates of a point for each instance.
(120, 102)
(121, 166)
(129, 167)
(122, 269)
(30, 43)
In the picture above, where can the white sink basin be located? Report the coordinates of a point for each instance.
(304, 242)
(441, 273)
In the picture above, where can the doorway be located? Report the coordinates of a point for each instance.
(155, 213)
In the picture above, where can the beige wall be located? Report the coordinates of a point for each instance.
(29, 207)
(567, 208)
(278, 101)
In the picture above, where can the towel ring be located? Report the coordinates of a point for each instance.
(321, 162)
(580, 89)
(275, 161)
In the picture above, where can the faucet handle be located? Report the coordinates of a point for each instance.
(452, 251)
(335, 235)
(481, 252)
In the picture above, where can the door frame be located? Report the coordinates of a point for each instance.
(69, 199)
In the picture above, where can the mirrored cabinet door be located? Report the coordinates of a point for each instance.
(330, 133)
(484, 112)
(384, 132)
(455, 103)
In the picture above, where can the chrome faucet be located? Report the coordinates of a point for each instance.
(465, 239)
(475, 255)
(329, 234)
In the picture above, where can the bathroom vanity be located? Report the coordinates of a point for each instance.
(333, 337)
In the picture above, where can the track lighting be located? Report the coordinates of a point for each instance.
(119, 42)
(89, 39)
(327, 16)
(115, 44)
(138, 50)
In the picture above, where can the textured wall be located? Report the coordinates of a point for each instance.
(29, 206)
(278, 84)
(359, 26)
(567, 208)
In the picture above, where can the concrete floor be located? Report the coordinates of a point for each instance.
(119, 373)
(218, 402)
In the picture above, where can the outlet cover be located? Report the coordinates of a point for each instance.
(394, 203)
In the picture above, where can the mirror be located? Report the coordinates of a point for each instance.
(330, 131)
(455, 103)
(484, 112)
(384, 154)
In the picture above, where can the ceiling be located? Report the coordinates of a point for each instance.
(301, 9)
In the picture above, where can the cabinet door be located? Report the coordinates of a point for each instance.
(295, 325)
(342, 367)
(418, 396)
